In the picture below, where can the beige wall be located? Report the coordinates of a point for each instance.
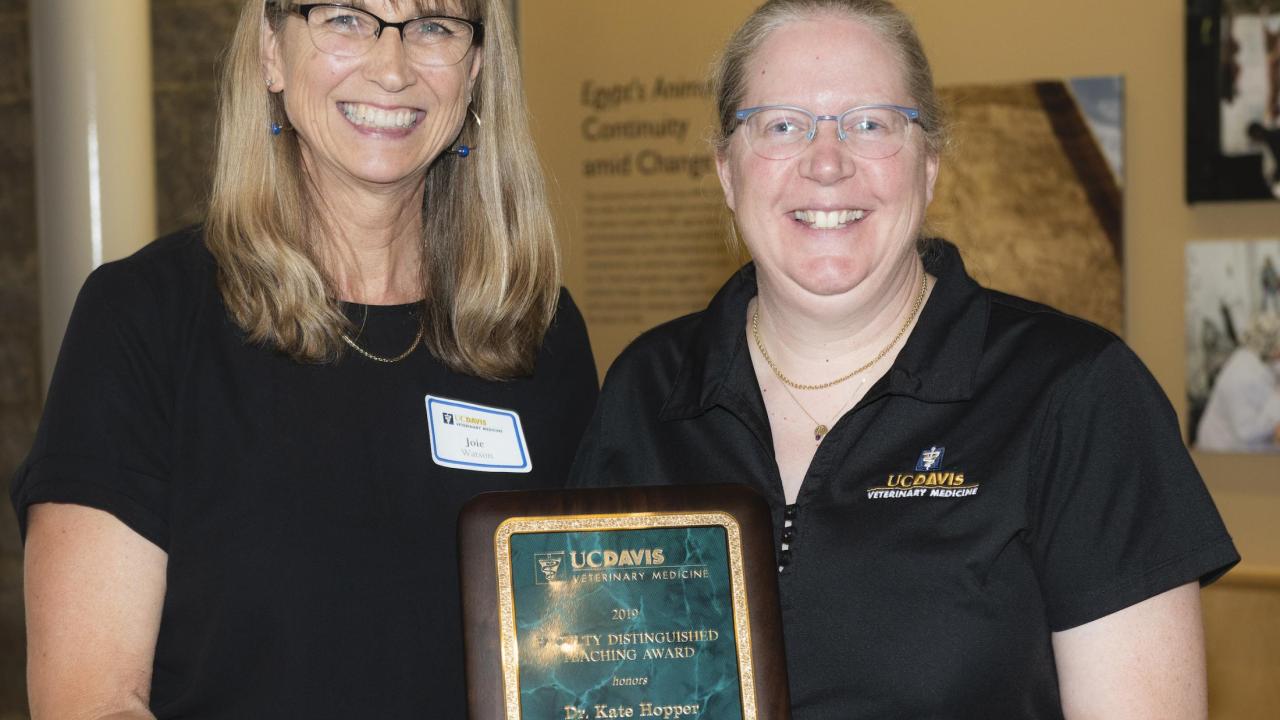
(1004, 40)
(1242, 645)
(979, 41)
(999, 41)
(637, 250)
(984, 41)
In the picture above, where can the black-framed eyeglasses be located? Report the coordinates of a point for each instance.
(347, 31)
(779, 132)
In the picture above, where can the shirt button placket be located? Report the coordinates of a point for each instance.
(788, 535)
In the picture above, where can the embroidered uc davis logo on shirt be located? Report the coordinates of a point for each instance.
(930, 459)
(928, 480)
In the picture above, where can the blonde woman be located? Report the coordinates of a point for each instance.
(241, 501)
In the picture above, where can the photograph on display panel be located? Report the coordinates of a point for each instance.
(1233, 346)
(1233, 100)
(1032, 191)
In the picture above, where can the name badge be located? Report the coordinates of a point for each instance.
(475, 437)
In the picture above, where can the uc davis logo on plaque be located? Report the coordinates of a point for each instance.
(550, 567)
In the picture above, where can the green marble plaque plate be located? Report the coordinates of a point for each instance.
(624, 616)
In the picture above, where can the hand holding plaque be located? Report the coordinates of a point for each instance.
(624, 603)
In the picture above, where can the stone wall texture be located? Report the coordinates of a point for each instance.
(187, 38)
(20, 386)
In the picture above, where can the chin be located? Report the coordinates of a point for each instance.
(831, 275)
(380, 174)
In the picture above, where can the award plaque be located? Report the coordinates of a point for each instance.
(642, 602)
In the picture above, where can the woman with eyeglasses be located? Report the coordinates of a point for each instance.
(982, 507)
(242, 499)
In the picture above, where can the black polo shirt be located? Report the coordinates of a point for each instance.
(1016, 472)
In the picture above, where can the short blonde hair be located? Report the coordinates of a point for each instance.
(891, 25)
(490, 264)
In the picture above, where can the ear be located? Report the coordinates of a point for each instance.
(931, 176)
(272, 68)
(476, 62)
(724, 170)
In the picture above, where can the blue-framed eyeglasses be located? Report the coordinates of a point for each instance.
(350, 32)
(779, 132)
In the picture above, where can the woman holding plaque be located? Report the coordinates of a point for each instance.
(242, 499)
(982, 506)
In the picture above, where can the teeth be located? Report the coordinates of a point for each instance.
(828, 219)
(374, 117)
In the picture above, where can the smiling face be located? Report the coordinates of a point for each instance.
(826, 222)
(376, 119)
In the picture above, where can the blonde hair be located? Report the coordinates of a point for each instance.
(891, 25)
(490, 265)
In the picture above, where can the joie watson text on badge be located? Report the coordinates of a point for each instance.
(928, 480)
(467, 436)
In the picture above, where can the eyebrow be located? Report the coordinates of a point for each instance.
(421, 7)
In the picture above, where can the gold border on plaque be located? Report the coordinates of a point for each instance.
(627, 521)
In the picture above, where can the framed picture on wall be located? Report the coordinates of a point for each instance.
(1233, 345)
(1233, 100)
(1057, 236)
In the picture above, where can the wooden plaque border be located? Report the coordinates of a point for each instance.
(481, 528)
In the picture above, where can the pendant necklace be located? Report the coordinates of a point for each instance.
(755, 332)
(821, 429)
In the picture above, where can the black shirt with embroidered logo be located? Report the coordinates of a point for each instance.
(310, 531)
(1016, 472)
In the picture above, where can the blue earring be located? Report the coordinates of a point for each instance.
(462, 150)
(273, 126)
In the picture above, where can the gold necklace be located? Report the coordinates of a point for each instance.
(417, 339)
(755, 332)
(820, 429)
